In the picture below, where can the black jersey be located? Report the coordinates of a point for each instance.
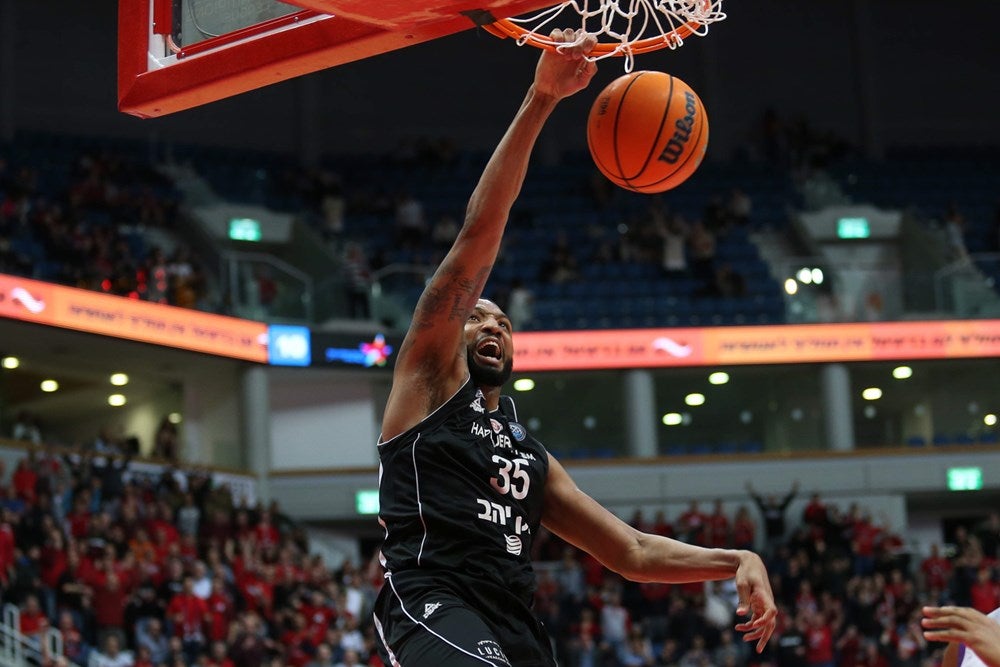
(462, 492)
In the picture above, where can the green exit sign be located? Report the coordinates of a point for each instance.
(366, 501)
(244, 229)
(853, 228)
(965, 479)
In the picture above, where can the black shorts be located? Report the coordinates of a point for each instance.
(444, 622)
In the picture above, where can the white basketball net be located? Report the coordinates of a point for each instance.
(629, 26)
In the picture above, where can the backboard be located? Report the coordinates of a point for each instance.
(178, 54)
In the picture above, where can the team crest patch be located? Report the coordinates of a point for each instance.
(517, 431)
(497, 426)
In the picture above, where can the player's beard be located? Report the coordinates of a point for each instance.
(486, 376)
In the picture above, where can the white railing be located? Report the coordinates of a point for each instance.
(18, 650)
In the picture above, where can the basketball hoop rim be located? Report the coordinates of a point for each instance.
(506, 28)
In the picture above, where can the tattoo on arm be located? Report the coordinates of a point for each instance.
(470, 289)
(458, 294)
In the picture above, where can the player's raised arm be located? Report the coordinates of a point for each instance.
(431, 363)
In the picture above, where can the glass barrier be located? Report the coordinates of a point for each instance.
(261, 287)
(395, 291)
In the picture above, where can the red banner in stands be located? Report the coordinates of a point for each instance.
(119, 317)
(782, 344)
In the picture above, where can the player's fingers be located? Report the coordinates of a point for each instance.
(743, 593)
(944, 636)
(764, 638)
(936, 612)
(768, 616)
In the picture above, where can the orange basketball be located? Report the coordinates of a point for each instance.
(647, 131)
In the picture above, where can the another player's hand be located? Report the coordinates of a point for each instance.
(965, 625)
(565, 71)
(756, 600)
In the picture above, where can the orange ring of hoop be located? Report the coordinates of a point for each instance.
(507, 28)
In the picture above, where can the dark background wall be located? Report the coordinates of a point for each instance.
(878, 73)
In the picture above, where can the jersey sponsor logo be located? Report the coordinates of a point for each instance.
(513, 544)
(497, 426)
(496, 439)
(517, 431)
(430, 608)
(488, 648)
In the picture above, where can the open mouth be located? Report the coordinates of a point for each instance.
(489, 350)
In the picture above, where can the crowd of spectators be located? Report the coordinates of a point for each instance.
(81, 224)
(170, 569)
(848, 589)
(110, 440)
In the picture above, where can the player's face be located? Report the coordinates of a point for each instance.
(489, 345)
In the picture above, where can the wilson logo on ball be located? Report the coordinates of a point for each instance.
(675, 147)
(647, 131)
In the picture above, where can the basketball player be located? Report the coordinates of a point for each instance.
(964, 628)
(464, 487)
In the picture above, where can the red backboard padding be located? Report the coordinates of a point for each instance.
(291, 46)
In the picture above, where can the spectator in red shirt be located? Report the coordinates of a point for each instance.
(6, 547)
(257, 591)
(33, 620)
(265, 532)
(691, 525)
(864, 538)
(287, 572)
(717, 527)
(661, 526)
(109, 603)
(79, 518)
(814, 514)
(936, 569)
(319, 614)
(744, 529)
(53, 560)
(188, 614)
(220, 610)
(819, 642)
(297, 642)
(161, 524)
(985, 593)
(25, 479)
